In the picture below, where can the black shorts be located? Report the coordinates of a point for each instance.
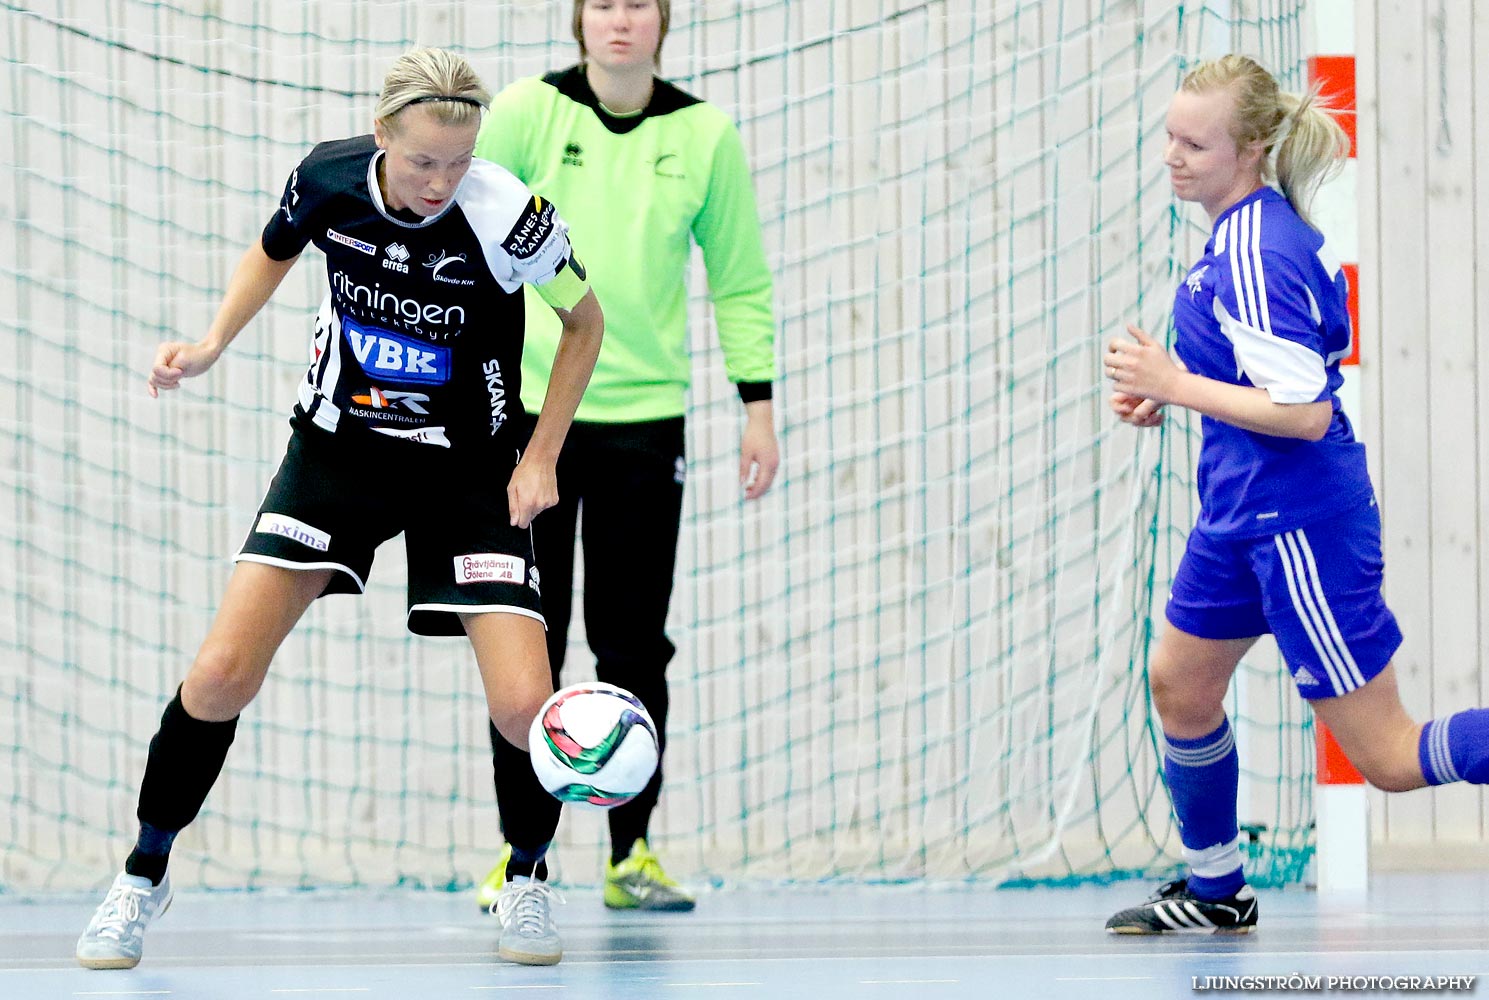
(332, 504)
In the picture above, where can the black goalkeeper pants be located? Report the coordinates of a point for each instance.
(620, 485)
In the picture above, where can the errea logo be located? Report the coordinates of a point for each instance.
(397, 259)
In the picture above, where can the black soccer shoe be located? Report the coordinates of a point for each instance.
(1173, 909)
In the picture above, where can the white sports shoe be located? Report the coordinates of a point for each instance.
(116, 935)
(528, 936)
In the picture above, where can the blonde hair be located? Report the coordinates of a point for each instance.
(664, 8)
(438, 79)
(1304, 145)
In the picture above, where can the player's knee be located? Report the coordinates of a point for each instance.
(1394, 778)
(1391, 772)
(1181, 703)
(1387, 755)
(514, 715)
(223, 680)
(512, 728)
(513, 724)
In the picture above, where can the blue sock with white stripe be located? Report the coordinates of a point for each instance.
(1456, 748)
(1203, 780)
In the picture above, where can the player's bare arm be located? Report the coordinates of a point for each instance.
(253, 282)
(1142, 367)
(534, 485)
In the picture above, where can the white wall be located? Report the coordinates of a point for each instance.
(1423, 92)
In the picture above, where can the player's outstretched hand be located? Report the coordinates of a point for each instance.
(174, 361)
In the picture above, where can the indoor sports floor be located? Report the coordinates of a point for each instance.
(819, 943)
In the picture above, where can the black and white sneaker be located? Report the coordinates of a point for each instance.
(1173, 909)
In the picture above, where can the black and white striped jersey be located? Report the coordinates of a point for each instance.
(420, 334)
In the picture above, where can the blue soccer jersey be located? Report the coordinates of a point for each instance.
(1266, 307)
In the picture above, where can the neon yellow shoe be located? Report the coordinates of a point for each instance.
(638, 883)
(491, 887)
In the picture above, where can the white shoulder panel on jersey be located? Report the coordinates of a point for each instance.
(1314, 313)
(1290, 372)
(1330, 260)
(521, 235)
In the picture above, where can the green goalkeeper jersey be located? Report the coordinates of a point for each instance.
(635, 191)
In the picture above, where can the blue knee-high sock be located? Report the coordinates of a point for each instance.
(1456, 748)
(1203, 780)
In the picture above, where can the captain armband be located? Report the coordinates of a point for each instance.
(567, 286)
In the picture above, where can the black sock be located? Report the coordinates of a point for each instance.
(525, 863)
(186, 756)
(151, 854)
(529, 815)
(151, 866)
(538, 871)
(630, 822)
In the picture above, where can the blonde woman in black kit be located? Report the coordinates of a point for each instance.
(416, 373)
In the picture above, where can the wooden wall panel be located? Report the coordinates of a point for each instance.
(1423, 201)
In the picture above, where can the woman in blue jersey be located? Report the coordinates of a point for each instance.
(1288, 537)
(644, 170)
(414, 379)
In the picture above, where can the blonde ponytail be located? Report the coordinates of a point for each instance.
(1304, 145)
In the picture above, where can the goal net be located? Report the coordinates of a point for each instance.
(920, 656)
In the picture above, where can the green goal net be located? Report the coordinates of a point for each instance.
(921, 656)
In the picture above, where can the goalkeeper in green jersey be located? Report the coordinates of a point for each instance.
(643, 171)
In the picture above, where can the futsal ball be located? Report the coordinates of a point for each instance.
(593, 744)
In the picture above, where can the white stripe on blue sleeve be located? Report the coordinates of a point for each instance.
(1290, 372)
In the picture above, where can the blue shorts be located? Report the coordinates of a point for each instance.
(1317, 589)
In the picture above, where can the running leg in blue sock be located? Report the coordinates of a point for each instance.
(1456, 748)
(1203, 780)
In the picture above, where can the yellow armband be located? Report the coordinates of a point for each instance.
(567, 286)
